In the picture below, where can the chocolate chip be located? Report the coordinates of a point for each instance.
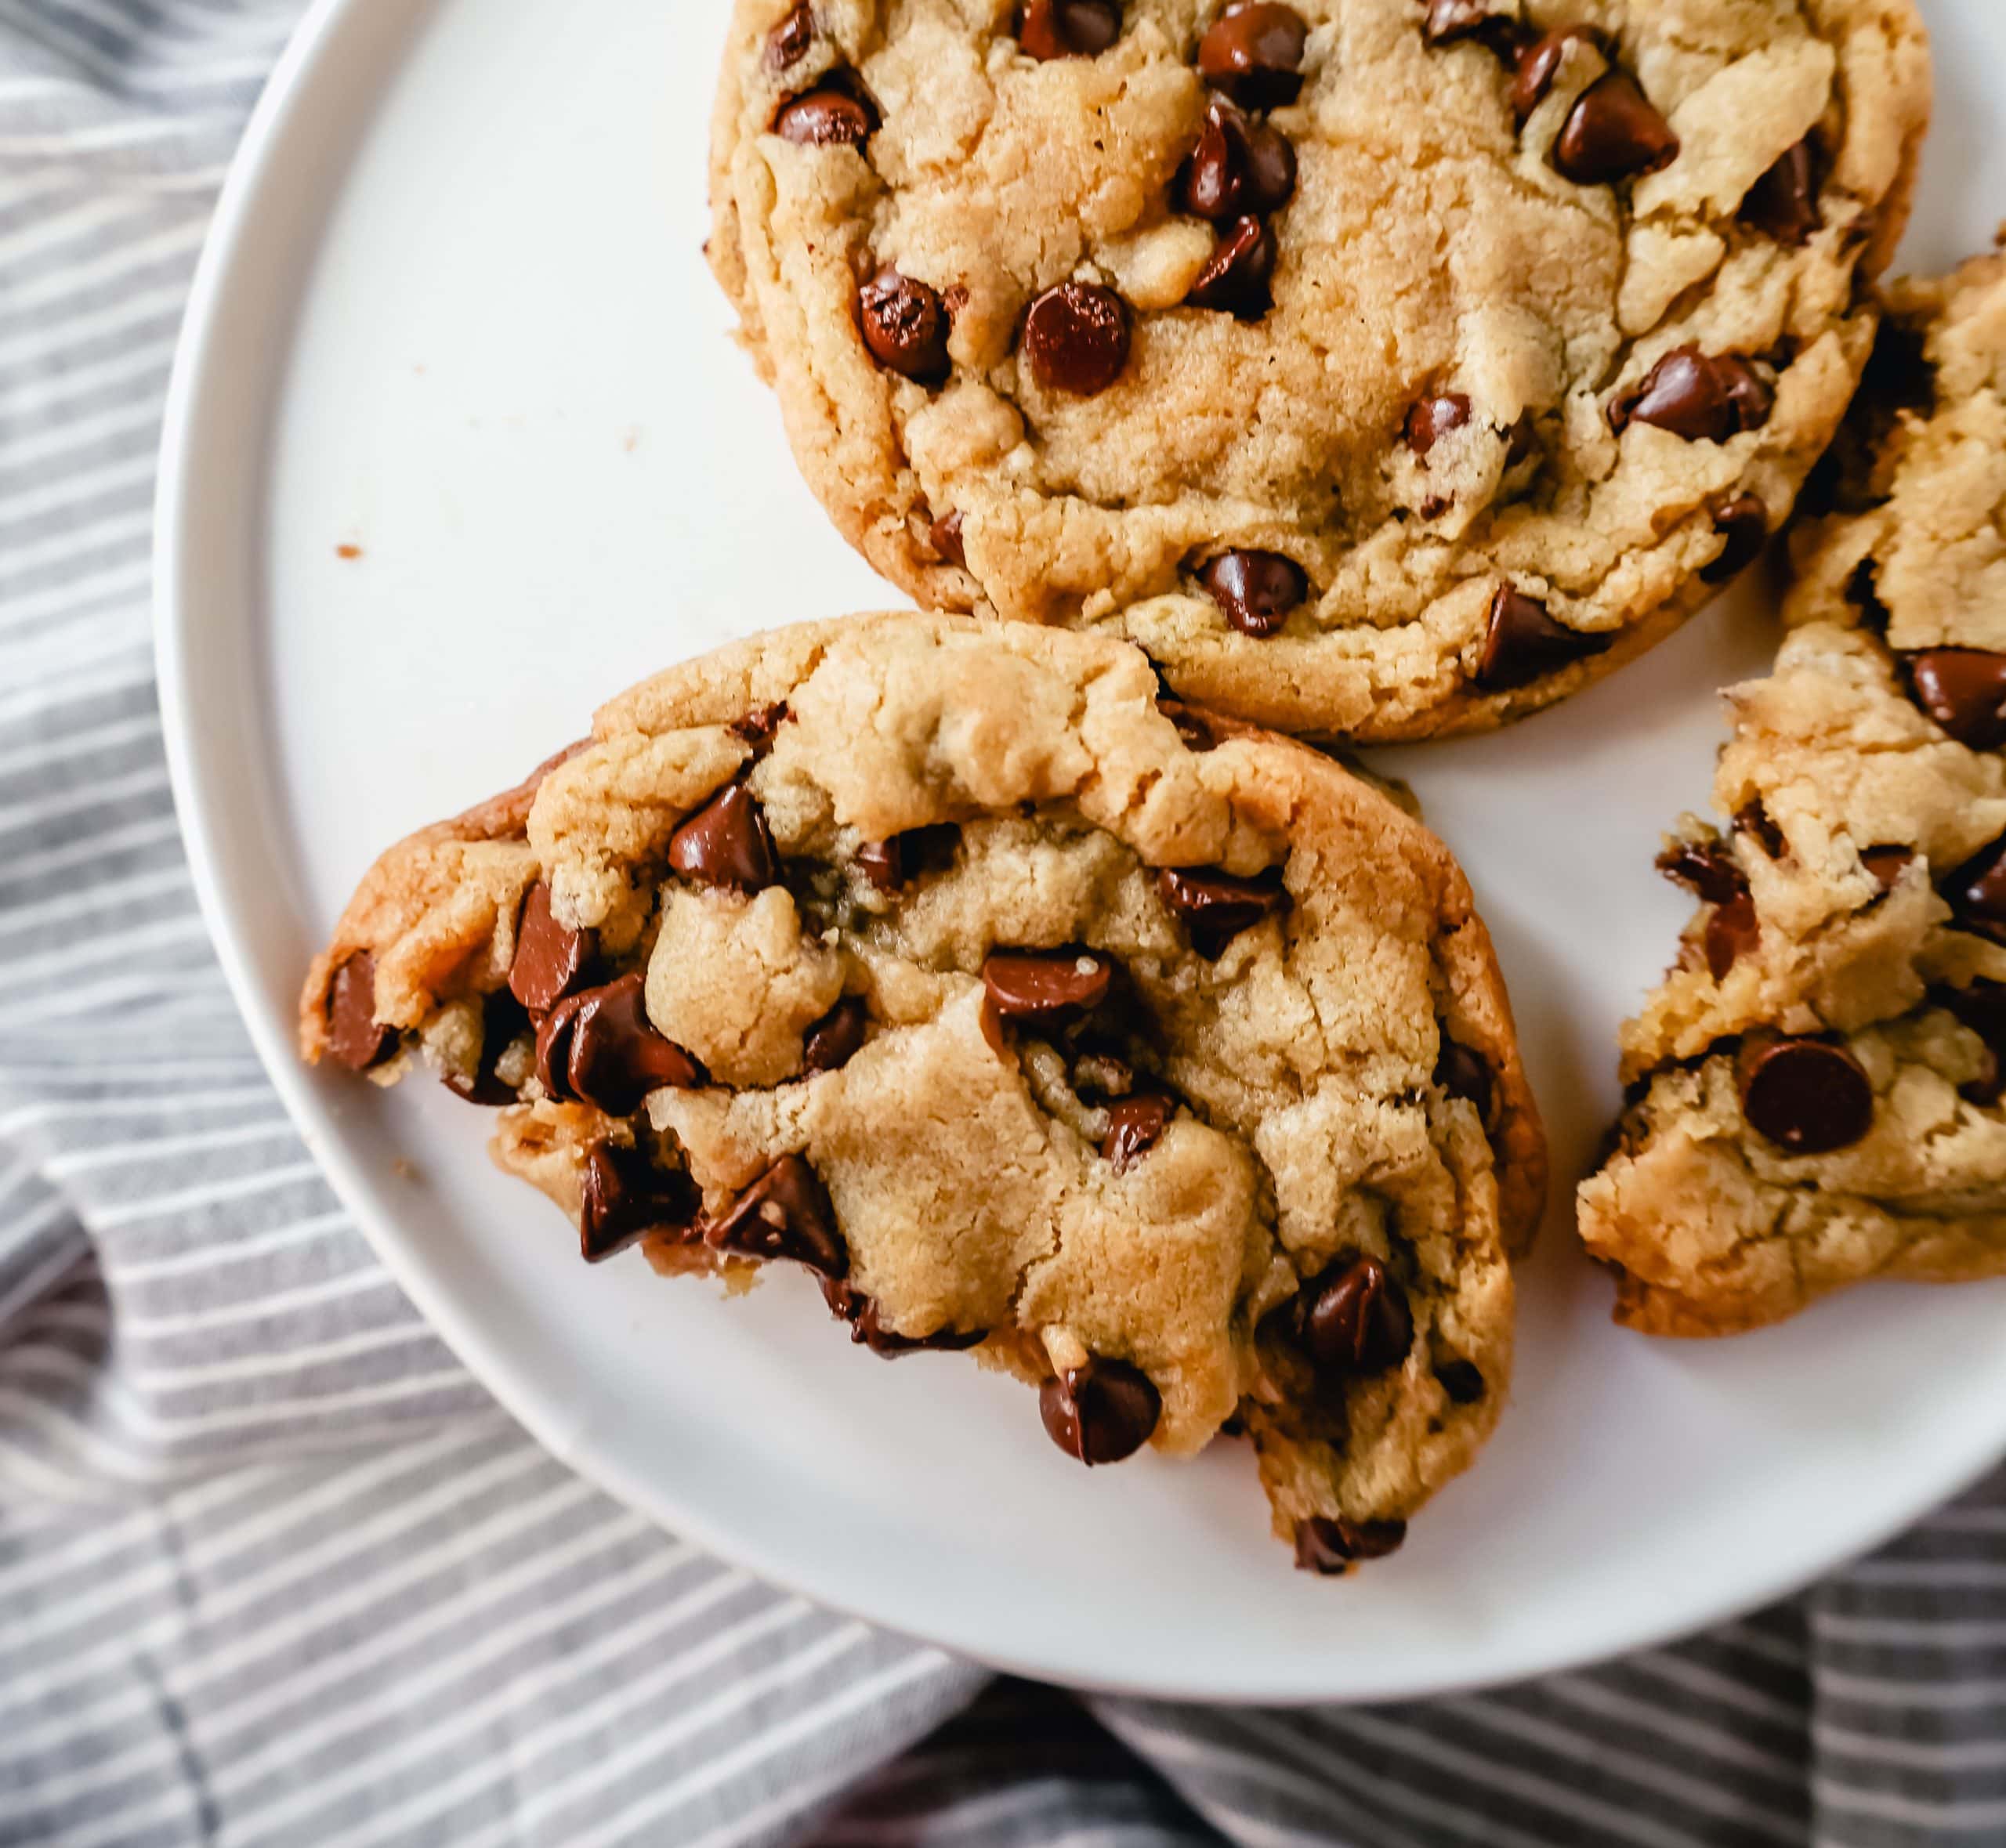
(1354, 1318)
(1704, 397)
(1239, 167)
(785, 1214)
(787, 44)
(726, 843)
(757, 727)
(1731, 933)
(1752, 818)
(1254, 52)
(905, 325)
(1046, 985)
(1462, 1074)
(503, 1019)
(1101, 1412)
(601, 1048)
(627, 1197)
(1980, 1009)
(1613, 133)
(1976, 892)
(1433, 418)
(892, 865)
(1523, 644)
(1448, 21)
(353, 1037)
(1068, 28)
(1461, 1379)
(1076, 338)
(831, 115)
(1192, 726)
(1215, 906)
(1538, 62)
(836, 1037)
(1886, 864)
(850, 1304)
(1706, 868)
(1742, 523)
(1964, 689)
(945, 535)
(1434, 506)
(550, 957)
(1238, 279)
(1784, 203)
(1807, 1096)
(1332, 1547)
(1257, 590)
(1135, 1125)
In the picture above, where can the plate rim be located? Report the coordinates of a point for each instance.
(229, 240)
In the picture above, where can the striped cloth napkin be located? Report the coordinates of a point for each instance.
(273, 1570)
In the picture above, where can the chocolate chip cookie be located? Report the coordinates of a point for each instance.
(1162, 1062)
(1817, 1085)
(1384, 367)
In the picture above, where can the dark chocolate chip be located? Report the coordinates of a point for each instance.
(1462, 1074)
(1537, 63)
(1613, 133)
(1215, 906)
(1192, 726)
(1976, 892)
(627, 1197)
(1703, 397)
(1886, 864)
(1135, 1125)
(1239, 167)
(1432, 418)
(1742, 523)
(905, 325)
(785, 1214)
(353, 1037)
(866, 1327)
(1048, 29)
(550, 957)
(1704, 867)
(945, 535)
(1254, 52)
(1784, 203)
(1257, 590)
(600, 1047)
(1046, 985)
(758, 727)
(1449, 21)
(1752, 818)
(1523, 644)
(726, 843)
(836, 1037)
(1731, 933)
(1239, 277)
(1461, 1379)
(1808, 1097)
(787, 44)
(891, 866)
(1354, 1318)
(1101, 1412)
(1980, 1009)
(829, 116)
(1331, 1548)
(1964, 689)
(503, 1020)
(1076, 338)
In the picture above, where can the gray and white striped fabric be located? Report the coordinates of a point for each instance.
(273, 1570)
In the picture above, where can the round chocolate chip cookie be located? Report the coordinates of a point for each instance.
(1818, 1086)
(1163, 1062)
(1384, 367)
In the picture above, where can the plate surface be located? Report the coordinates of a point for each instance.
(455, 315)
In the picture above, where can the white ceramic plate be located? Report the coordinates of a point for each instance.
(454, 314)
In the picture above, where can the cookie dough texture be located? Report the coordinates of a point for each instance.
(1879, 773)
(1033, 788)
(1430, 250)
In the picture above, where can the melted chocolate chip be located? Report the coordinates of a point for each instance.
(1980, 1009)
(1215, 906)
(1354, 1318)
(1076, 338)
(1046, 985)
(503, 1019)
(1448, 21)
(1462, 1074)
(1433, 418)
(831, 115)
(1523, 644)
(1048, 29)
(1239, 277)
(353, 1037)
(1461, 1379)
(550, 957)
(1257, 590)
(787, 44)
(836, 1037)
(905, 325)
(1976, 892)
(1613, 133)
(1808, 1097)
(1886, 864)
(758, 727)
(1135, 1125)
(1784, 203)
(1538, 62)
(726, 843)
(785, 1214)
(1254, 52)
(1706, 868)
(891, 866)
(866, 1327)
(1964, 689)
(1192, 726)
(601, 1048)
(1239, 167)
(627, 1197)
(1742, 523)
(1330, 1548)
(945, 535)
(1703, 397)
(1752, 818)
(1731, 933)
(1101, 1412)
